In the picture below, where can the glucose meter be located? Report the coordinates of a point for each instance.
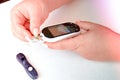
(60, 31)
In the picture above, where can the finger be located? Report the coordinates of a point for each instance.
(19, 36)
(75, 42)
(20, 13)
(21, 33)
(35, 21)
(17, 16)
(67, 44)
(88, 25)
(27, 26)
(18, 24)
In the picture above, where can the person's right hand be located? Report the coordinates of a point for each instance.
(27, 17)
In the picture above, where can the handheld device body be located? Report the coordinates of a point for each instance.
(60, 31)
(31, 71)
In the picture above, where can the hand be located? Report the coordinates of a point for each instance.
(98, 43)
(27, 17)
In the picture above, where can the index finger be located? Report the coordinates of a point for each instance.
(18, 19)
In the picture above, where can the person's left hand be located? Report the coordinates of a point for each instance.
(95, 44)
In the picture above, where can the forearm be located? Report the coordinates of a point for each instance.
(113, 45)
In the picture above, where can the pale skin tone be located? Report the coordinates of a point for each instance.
(28, 15)
(98, 43)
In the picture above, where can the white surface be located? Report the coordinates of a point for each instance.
(51, 64)
(108, 13)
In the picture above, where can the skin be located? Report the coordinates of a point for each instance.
(98, 43)
(28, 15)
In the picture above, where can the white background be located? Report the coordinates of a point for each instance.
(51, 64)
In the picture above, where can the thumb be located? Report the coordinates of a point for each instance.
(36, 19)
(35, 22)
(70, 43)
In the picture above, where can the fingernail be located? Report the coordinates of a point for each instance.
(35, 32)
(78, 21)
(84, 30)
(44, 45)
(28, 39)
